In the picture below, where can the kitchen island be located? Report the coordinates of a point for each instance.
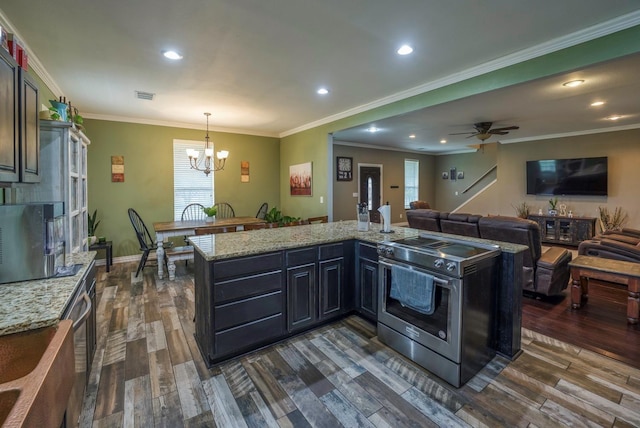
(257, 287)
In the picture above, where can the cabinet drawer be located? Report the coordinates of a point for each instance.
(254, 285)
(246, 336)
(301, 257)
(368, 251)
(247, 310)
(331, 251)
(226, 269)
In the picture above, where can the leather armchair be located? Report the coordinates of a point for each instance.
(419, 205)
(543, 273)
(424, 219)
(611, 248)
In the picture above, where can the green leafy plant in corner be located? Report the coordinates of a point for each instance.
(210, 211)
(552, 203)
(92, 223)
(522, 209)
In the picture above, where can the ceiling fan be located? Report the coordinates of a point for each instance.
(483, 130)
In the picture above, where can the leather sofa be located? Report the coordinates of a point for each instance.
(544, 273)
(617, 245)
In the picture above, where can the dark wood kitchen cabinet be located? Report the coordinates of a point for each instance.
(366, 290)
(316, 290)
(302, 289)
(19, 135)
(239, 304)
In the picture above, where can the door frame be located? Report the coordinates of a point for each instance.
(375, 165)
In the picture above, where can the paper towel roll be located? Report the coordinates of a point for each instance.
(385, 213)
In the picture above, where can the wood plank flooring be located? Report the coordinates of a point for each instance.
(148, 372)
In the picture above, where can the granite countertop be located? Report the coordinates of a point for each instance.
(29, 305)
(238, 244)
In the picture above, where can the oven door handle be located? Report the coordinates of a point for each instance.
(82, 318)
(443, 282)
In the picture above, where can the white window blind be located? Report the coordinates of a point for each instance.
(189, 186)
(411, 181)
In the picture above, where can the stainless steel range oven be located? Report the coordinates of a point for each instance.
(437, 302)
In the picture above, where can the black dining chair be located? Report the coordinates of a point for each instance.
(147, 244)
(193, 212)
(262, 211)
(224, 210)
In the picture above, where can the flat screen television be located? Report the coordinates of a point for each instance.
(581, 176)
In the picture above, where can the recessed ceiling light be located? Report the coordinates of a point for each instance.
(322, 91)
(443, 141)
(372, 129)
(404, 50)
(412, 136)
(614, 117)
(597, 104)
(573, 83)
(172, 55)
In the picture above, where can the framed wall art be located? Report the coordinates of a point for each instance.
(300, 179)
(344, 168)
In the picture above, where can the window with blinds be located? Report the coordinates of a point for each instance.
(411, 181)
(189, 186)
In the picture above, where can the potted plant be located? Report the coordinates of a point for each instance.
(273, 217)
(211, 213)
(611, 221)
(522, 209)
(92, 225)
(552, 206)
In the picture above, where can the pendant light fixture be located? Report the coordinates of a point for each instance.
(208, 163)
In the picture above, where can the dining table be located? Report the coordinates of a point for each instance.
(167, 229)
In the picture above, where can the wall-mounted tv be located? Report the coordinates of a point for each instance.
(582, 176)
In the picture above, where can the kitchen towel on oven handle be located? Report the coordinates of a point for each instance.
(413, 289)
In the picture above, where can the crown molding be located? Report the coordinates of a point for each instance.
(402, 150)
(596, 31)
(198, 126)
(571, 134)
(34, 61)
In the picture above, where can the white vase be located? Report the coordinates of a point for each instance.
(92, 239)
(210, 219)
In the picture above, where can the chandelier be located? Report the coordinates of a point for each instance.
(209, 163)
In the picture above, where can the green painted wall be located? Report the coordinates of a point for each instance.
(302, 146)
(148, 185)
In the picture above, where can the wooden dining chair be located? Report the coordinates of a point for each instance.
(224, 210)
(262, 211)
(147, 244)
(212, 230)
(255, 226)
(193, 212)
(321, 219)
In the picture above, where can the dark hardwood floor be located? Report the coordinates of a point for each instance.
(600, 325)
(148, 371)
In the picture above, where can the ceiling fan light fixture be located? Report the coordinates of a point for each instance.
(573, 83)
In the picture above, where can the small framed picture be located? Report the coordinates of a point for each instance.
(452, 174)
(344, 168)
(445, 175)
(460, 175)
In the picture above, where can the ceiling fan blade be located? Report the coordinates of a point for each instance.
(474, 134)
(506, 128)
(497, 132)
(463, 133)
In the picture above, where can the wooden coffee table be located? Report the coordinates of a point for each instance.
(584, 268)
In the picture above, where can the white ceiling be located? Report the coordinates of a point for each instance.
(255, 64)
